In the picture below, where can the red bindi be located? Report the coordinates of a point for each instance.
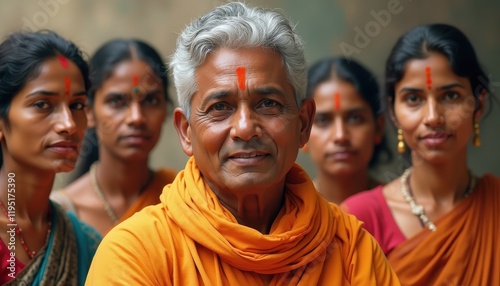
(336, 101)
(67, 83)
(428, 77)
(63, 62)
(135, 80)
(241, 73)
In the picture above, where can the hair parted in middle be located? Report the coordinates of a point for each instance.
(236, 25)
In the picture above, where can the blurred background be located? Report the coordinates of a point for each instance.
(365, 30)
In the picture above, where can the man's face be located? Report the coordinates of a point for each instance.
(245, 127)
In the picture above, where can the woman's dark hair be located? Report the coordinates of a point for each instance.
(102, 65)
(114, 52)
(447, 40)
(21, 57)
(365, 83)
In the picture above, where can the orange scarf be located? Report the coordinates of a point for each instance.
(151, 195)
(299, 234)
(464, 250)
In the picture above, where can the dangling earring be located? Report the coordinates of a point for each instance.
(401, 142)
(476, 141)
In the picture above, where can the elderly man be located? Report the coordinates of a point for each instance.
(241, 212)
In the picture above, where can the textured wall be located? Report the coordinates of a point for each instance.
(329, 27)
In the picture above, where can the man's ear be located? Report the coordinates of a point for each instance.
(306, 113)
(305, 148)
(181, 124)
(90, 117)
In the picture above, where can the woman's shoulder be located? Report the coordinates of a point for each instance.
(362, 200)
(74, 195)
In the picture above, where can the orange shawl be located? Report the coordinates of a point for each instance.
(464, 250)
(191, 239)
(151, 195)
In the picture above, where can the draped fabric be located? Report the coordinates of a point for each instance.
(67, 256)
(192, 239)
(465, 248)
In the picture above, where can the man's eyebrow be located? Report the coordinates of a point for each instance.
(268, 90)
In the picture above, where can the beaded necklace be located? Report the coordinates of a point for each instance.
(19, 231)
(418, 210)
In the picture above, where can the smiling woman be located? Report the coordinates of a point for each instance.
(43, 88)
(424, 219)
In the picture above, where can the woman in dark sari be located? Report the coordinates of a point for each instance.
(43, 87)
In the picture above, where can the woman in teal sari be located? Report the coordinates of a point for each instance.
(43, 87)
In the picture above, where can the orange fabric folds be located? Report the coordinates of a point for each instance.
(191, 239)
(465, 248)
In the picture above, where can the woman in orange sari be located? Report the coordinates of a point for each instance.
(127, 108)
(437, 222)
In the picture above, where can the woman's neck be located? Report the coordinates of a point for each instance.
(337, 188)
(122, 178)
(444, 183)
(29, 189)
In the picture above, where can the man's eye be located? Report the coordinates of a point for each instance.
(269, 103)
(220, 106)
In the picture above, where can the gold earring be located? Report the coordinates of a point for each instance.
(476, 141)
(401, 142)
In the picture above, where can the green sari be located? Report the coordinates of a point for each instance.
(67, 257)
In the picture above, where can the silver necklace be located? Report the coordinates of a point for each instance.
(418, 210)
(107, 206)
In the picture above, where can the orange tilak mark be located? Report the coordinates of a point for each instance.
(241, 73)
(336, 101)
(67, 83)
(63, 61)
(428, 77)
(135, 80)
